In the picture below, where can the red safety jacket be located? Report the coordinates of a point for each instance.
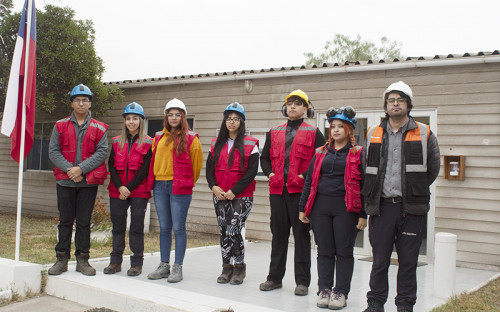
(183, 182)
(127, 163)
(227, 177)
(301, 153)
(68, 140)
(352, 180)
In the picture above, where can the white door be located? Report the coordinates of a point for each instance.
(366, 119)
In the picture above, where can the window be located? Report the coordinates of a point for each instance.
(38, 158)
(155, 125)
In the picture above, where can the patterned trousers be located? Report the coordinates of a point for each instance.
(231, 217)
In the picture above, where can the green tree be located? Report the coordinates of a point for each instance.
(65, 58)
(342, 48)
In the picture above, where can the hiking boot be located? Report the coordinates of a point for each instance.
(83, 266)
(337, 300)
(239, 273)
(405, 309)
(112, 268)
(176, 275)
(61, 264)
(135, 270)
(269, 285)
(323, 298)
(374, 306)
(227, 272)
(301, 290)
(162, 271)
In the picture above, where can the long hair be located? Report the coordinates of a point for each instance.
(178, 134)
(239, 143)
(349, 131)
(124, 133)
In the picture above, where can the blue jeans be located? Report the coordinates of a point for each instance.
(172, 212)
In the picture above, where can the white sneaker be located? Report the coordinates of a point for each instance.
(324, 298)
(337, 301)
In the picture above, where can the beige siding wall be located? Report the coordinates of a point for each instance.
(467, 99)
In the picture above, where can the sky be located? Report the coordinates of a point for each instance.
(164, 38)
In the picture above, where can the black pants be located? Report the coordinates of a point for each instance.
(118, 209)
(75, 202)
(285, 214)
(231, 217)
(392, 228)
(335, 234)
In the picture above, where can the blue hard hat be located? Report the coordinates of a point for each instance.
(80, 90)
(235, 107)
(344, 113)
(134, 108)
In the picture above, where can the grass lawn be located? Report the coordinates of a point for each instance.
(39, 237)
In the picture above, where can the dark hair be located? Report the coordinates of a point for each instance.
(239, 142)
(178, 136)
(295, 97)
(403, 95)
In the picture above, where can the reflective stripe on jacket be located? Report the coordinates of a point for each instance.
(415, 185)
(127, 162)
(227, 177)
(301, 153)
(68, 141)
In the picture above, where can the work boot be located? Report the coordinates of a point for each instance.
(83, 266)
(239, 273)
(61, 264)
(324, 298)
(176, 274)
(162, 271)
(269, 285)
(301, 290)
(227, 272)
(374, 306)
(135, 270)
(113, 268)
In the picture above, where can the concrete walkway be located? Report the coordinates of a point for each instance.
(200, 292)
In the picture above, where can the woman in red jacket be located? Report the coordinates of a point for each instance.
(129, 167)
(331, 201)
(231, 167)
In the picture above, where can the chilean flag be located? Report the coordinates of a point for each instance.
(11, 122)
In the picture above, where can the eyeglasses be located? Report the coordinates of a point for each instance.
(84, 101)
(174, 115)
(233, 119)
(399, 100)
(295, 102)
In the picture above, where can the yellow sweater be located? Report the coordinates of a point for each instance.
(164, 159)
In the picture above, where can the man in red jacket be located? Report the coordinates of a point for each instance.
(78, 148)
(285, 158)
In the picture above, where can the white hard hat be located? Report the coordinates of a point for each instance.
(399, 86)
(175, 103)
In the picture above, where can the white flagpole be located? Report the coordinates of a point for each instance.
(27, 39)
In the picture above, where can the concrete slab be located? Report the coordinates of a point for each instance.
(19, 277)
(45, 304)
(200, 292)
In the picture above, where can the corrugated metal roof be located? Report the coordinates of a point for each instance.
(299, 70)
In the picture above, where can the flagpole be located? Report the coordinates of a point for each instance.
(23, 131)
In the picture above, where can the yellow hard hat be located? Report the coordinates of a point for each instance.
(299, 93)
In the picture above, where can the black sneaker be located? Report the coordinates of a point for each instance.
(374, 306)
